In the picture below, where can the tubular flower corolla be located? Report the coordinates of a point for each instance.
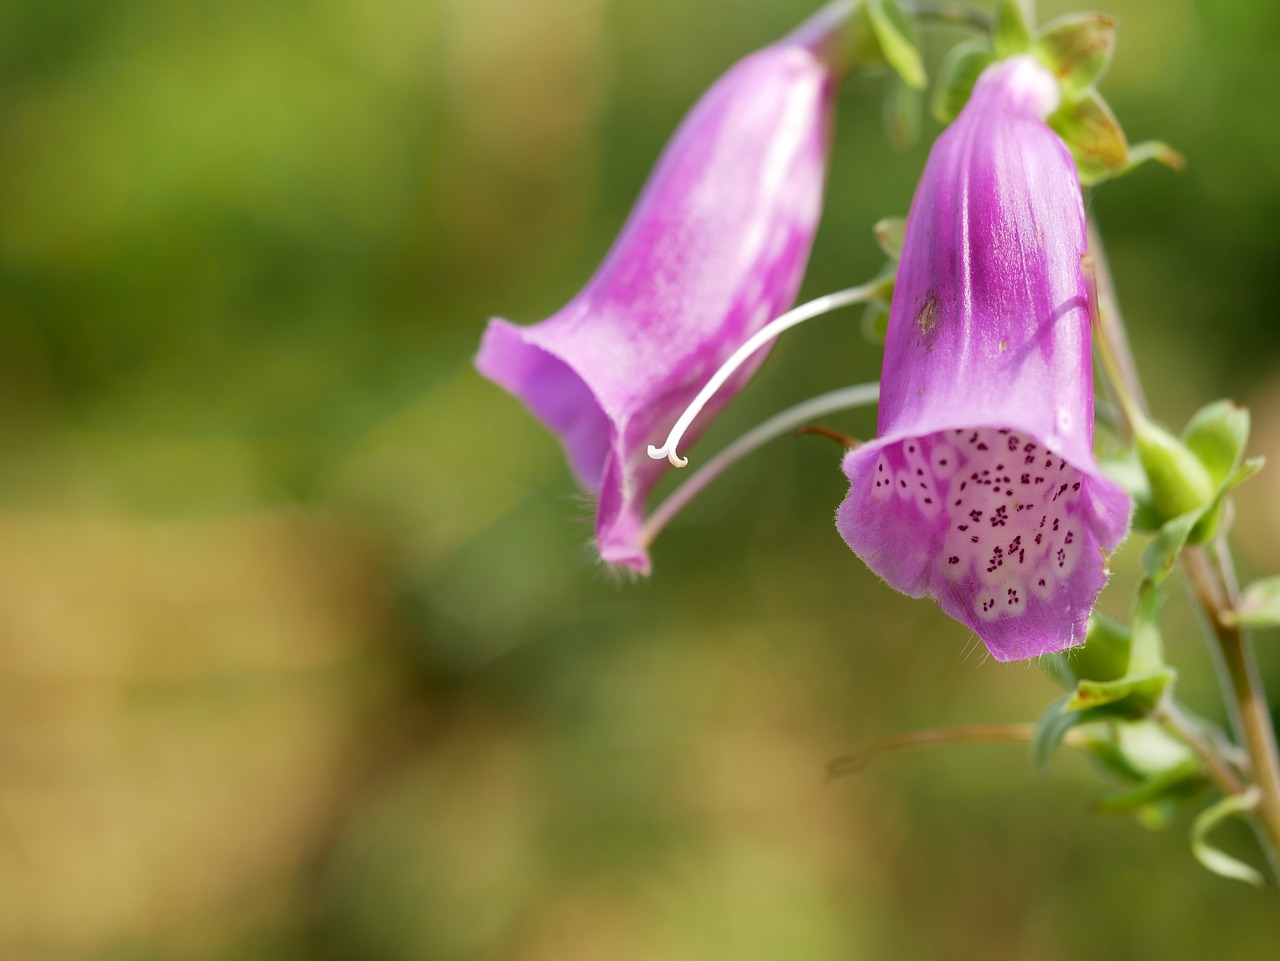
(715, 248)
(981, 489)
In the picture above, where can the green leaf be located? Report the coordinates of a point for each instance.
(1217, 434)
(1136, 750)
(1259, 605)
(895, 35)
(1161, 153)
(1162, 553)
(1051, 727)
(902, 109)
(1213, 513)
(1150, 751)
(960, 71)
(1176, 784)
(1179, 480)
(1012, 35)
(1215, 859)
(1078, 49)
(1127, 697)
(1091, 131)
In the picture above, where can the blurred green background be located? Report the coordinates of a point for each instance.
(302, 650)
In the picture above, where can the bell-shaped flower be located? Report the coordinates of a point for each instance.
(715, 248)
(981, 489)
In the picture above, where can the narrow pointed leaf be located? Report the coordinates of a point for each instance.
(1051, 727)
(1012, 35)
(1244, 472)
(1213, 513)
(1215, 859)
(1094, 137)
(1160, 152)
(1127, 697)
(1078, 49)
(1259, 606)
(1217, 434)
(1177, 785)
(1162, 553)
(895, 35)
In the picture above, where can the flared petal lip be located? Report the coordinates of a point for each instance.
(502, 336)
(925, 426)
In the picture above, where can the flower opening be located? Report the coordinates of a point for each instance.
(981, 489)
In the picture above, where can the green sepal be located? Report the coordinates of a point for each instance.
(1011, 35)
(890, 234)
(1104, 656)
(1078, 49)
(1216, 435)
(1127, 697)
(1195, 526)
(1157, 150)
(902, 109)
(1259, 605)
(1093, 135)
(1179, 481)
(1159, 771)
(960, 70)
(875, 322)
(895, 36)
(1215, 859)
(1155, 799)
(1135, 751)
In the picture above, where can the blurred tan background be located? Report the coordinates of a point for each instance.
(302, 653)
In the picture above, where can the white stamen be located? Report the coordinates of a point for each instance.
(846, 398)
(814, 308)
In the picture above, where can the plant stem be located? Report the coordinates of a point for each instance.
(1211, 574)
(1211, 582)
(1223, 774)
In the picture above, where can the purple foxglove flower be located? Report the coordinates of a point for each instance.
(715, 248)
(981, 489)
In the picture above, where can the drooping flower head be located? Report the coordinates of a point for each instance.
(715, 248)
(981, 489)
